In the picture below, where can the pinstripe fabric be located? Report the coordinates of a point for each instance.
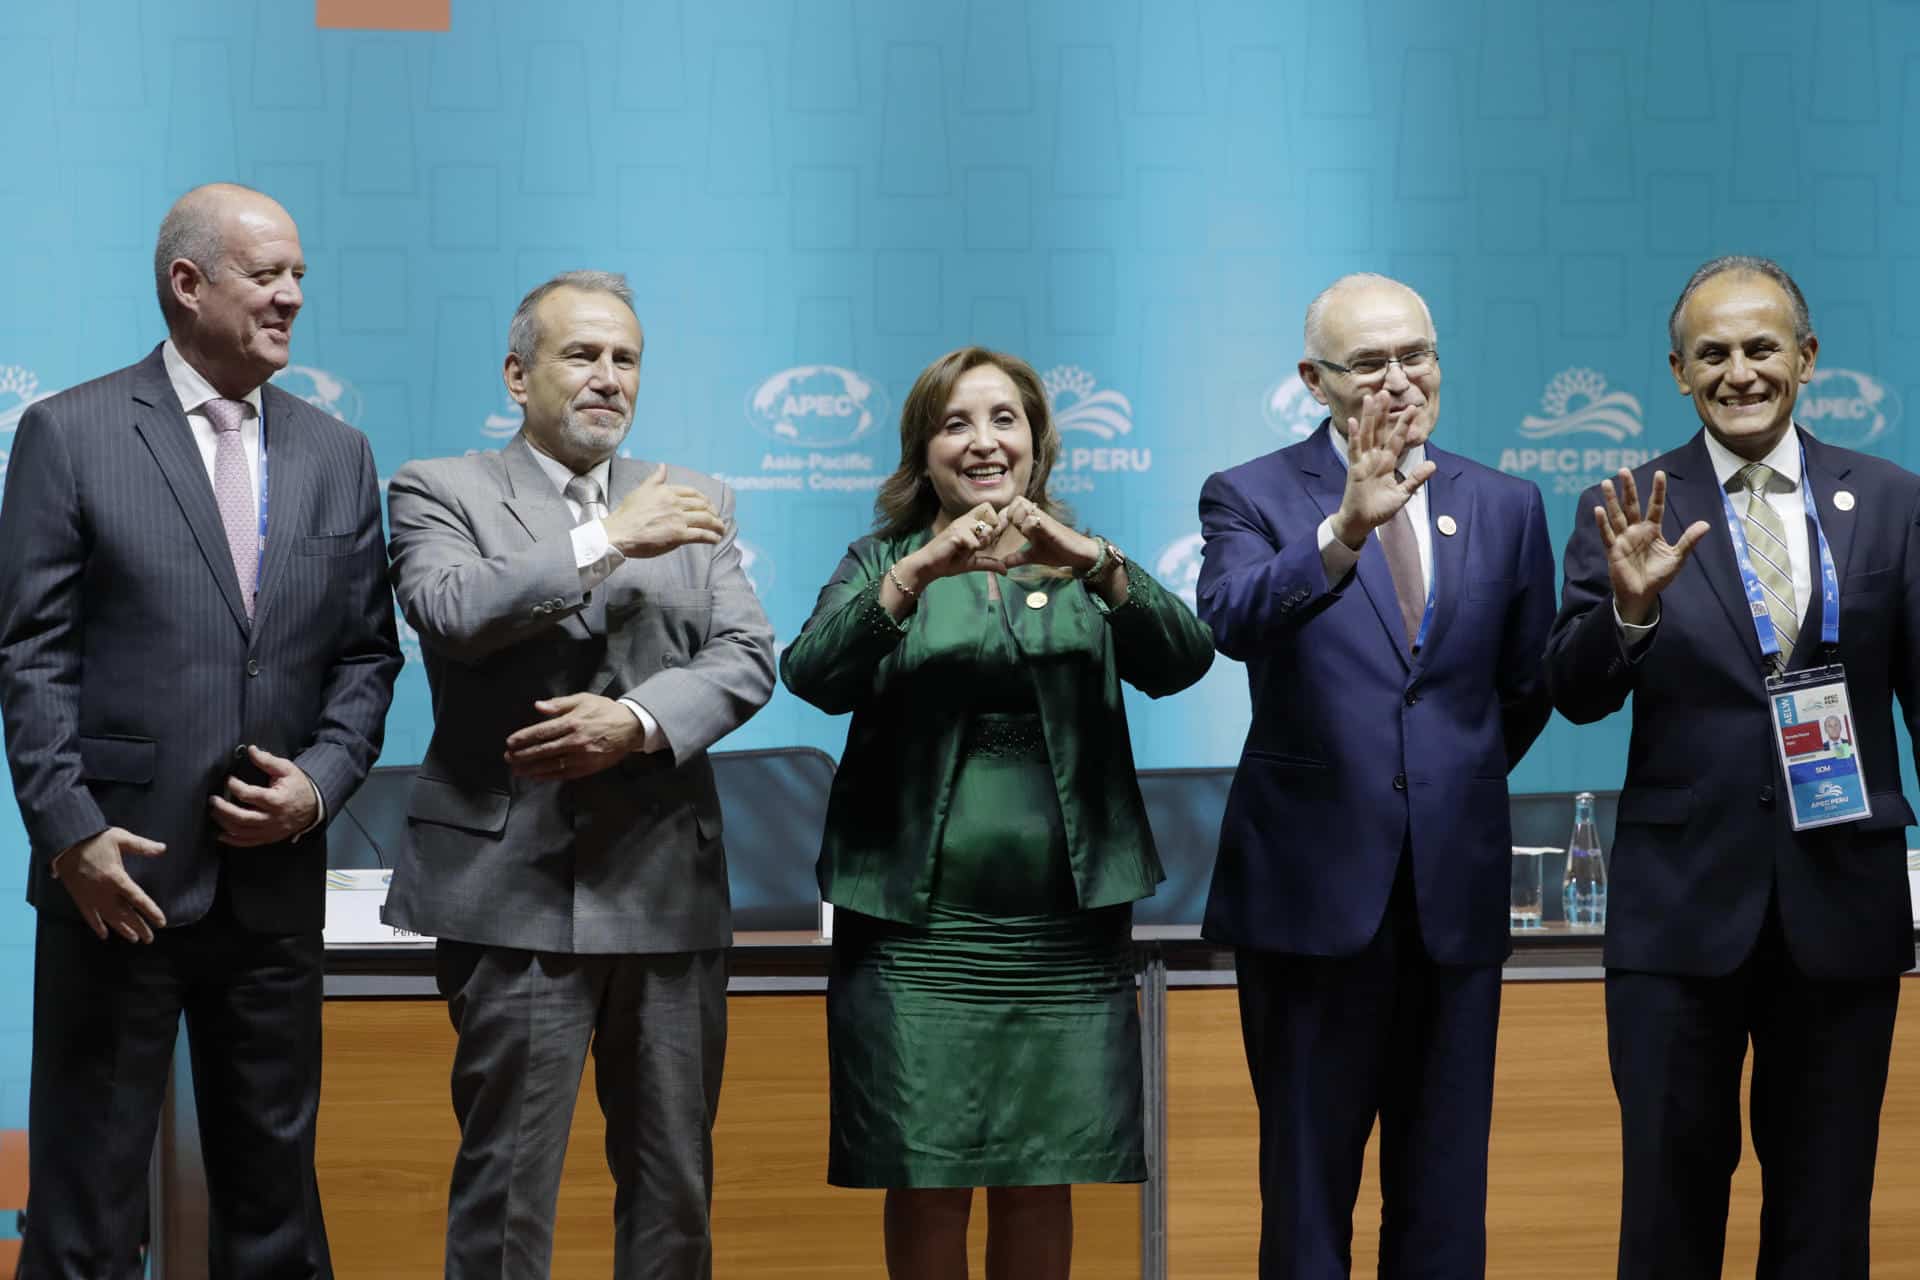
(128, 669)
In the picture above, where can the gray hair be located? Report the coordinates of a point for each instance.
(523, 334)
(191, 230)
(1751, 265)
(1317, 309)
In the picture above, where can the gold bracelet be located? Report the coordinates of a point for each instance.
(905, 590)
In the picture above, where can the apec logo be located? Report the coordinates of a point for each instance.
(1080, 407)
(1847, 407)
(1291, 409)
(1177, 567)
(1577, 402)
(503, 425)
(816, 406)
(327, 392)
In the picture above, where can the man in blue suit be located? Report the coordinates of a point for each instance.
(1391, 602)
(1726, 924)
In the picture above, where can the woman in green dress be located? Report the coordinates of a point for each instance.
(985, 837)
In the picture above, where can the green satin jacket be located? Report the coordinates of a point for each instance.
(908, 689)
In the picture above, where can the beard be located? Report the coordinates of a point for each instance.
(586, 435)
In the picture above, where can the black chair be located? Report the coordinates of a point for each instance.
(773, 804)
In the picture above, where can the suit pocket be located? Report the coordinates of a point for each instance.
(1282, 760)
(1890, 813)
(115, 758)
(626, 600)
(1656, 806)
(325, 544)
(450, 805)
(1871, 582)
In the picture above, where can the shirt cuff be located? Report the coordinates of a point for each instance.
(1336, 557)
(320, 803)
(594, 555)
(1635, 636)
(655, 738)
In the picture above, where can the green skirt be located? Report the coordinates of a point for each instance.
(999, 1043)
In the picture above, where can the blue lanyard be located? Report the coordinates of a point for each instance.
(1426, 619)
(1757, 594)
(263, 490)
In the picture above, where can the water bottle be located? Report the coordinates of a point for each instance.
(1584, 888)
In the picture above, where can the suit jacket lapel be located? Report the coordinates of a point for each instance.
(163, 426)
(543, 513)
(1693, 493)
(289, 468)
(1325, 481)
(1447, 495)
(1826, 471)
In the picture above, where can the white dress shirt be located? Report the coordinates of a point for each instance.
(193, 389)
(597, 558)
(1338, 559)
(1783, 495)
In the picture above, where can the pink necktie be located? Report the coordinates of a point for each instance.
(233, 491)
(1400, 543)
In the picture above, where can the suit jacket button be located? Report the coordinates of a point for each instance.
(668, 660)
(253, 667)
(1399, 782)
(1766, 795)
(1412, 697)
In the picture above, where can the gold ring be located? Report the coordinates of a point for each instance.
(981, 528)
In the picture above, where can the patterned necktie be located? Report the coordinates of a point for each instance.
(1767, 550)
(585, 491)
(233, 491)
(1403, 561)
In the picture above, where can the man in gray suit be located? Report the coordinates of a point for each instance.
(196, 655)
(588, 634)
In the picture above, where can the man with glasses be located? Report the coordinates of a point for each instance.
(1755, 898)
(1391, 602)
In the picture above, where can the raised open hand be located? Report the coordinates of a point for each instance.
(1640, 560)
(1376, 490)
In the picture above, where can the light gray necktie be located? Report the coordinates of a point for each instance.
(585, 491)
(1403, 561)
(1767, 550)
(233, 491)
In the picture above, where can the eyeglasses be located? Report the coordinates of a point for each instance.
(1366, 368)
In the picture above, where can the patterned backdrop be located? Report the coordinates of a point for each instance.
(814, 198)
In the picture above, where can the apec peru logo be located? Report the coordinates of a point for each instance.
(1847, 407)
(816, 406)
(1291, 409)
(1577, 400)
(1080, 407)
(327, 392)
(1177, 567)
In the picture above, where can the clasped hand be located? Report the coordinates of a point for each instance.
(974, 542)
(582, 734)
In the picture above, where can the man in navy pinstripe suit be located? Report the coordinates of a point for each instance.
(197, 651)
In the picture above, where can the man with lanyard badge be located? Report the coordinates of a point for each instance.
(1758, 889)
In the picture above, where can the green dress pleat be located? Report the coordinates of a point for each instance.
(999, 1043)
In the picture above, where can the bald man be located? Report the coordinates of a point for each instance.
(1391, 602)
(197, 651)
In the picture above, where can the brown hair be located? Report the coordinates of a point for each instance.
(906, 502)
